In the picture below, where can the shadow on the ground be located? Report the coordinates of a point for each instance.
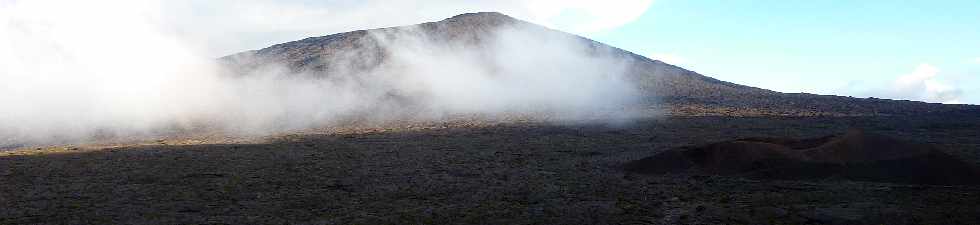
(527, 173)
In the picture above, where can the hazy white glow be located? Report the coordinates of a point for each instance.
(67, 66)
(75, 70)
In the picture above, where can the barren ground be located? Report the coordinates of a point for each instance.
(515, 173)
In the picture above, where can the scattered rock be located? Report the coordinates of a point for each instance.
(855, 155)
(857, 213)
(834, 215)
(204, 175)
(770, 212)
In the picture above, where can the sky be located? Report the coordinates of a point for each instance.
(918, 50)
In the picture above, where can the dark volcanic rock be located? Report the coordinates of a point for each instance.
(855, 155)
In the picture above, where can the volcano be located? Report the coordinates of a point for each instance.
(661, 84)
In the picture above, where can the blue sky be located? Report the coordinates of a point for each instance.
(856, 48)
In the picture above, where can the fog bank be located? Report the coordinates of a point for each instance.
(74, 75)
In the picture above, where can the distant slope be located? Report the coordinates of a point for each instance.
(661, 83)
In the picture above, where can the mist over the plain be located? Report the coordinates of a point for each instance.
(79, 77)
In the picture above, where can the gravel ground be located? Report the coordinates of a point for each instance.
(504, 173)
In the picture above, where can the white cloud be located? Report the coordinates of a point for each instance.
(925, 84)
(976, 60)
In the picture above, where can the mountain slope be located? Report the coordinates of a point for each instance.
(660, 83)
